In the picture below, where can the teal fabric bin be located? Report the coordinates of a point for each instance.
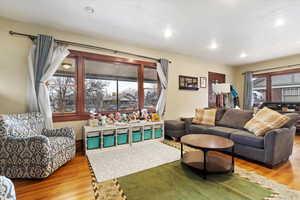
(93, 142)
(109, 140)
(158, 132)
(148, 134)
(136, 136)
(123, 138)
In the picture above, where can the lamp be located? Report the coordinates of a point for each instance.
(66, 65)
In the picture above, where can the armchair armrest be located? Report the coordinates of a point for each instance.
(29, 151)
(279, 145)
(59, 132)
(188, 122)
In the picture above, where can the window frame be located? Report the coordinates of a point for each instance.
(80, 56)
(268, 77)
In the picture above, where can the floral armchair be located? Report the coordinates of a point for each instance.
(28, 150)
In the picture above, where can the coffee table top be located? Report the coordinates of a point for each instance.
(206, 141)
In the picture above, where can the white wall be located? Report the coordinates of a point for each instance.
(13, 70)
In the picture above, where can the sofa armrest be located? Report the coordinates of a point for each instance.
(187, 124)
(59, 132)
(278, 145)
(29, 151)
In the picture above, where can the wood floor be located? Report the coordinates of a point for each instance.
(70, 182)
(73, 180)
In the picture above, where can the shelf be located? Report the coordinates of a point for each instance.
(111, 134)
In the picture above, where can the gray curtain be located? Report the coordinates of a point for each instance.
(44, 59)
(248, 87)
(39, 59)
(162, 70)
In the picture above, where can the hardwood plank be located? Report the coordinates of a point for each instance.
(73, 180)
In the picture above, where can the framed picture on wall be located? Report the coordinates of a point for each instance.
(203, 82)
(188, 83)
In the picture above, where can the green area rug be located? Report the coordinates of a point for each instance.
(175, 181)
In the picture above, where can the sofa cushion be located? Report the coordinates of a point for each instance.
(174, 125)
(198, 128)
(235, 118)
(60, 143)
(247, 138)
(219, 114)
(265, 120)
(221, 131)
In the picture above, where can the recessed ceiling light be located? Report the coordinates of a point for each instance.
(168, 33)
(298, 42)
(214, 45)
(243, 55)
(89, 9)
(279, 22)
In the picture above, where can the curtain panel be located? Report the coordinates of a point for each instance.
(248, 87)
(162, 70)
(44, 59)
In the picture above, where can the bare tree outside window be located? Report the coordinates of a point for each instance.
(100, 95)
(62, 91)
(62, 88)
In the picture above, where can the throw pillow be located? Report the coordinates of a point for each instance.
(205, 117)
(266, 120)
(235, 118)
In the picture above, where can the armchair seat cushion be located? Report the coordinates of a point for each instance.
(247, 138)
(221, 131)
(59, 144)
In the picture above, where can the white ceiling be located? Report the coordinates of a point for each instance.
(236, 25)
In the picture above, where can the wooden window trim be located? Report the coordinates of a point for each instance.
(80, 56)
(268, 77)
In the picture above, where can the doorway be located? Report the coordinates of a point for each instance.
(214, 77)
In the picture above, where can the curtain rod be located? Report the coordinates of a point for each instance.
(32, 37)
(267, 69)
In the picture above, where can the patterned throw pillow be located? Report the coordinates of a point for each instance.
(205, 116)
(266, 120)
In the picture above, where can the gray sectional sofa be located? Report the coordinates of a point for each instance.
(272, 149)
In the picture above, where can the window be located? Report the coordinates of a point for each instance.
(150, 87)
(282, 86)
(259, 90)
(88, 82)
(110, 86)
(286, 87)
(62, 88)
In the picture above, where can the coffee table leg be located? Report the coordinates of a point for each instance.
(204, 164)
(181, 150)
(232, 161)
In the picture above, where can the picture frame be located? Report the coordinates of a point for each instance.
(203, 82)
(188, 83)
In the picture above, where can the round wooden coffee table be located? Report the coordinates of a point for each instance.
(208, 160)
